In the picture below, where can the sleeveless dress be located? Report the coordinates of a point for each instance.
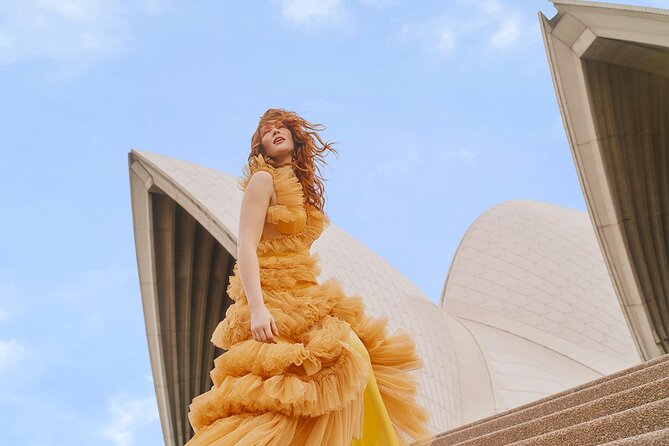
(334, 376)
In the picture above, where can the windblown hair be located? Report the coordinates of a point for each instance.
(308, 148)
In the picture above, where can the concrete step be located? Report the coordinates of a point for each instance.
(582, 413)
(628, 423)
(632, 389)
(654, 438)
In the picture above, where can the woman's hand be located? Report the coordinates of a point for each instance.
(263, 326)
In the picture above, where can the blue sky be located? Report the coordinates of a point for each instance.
(441, 110)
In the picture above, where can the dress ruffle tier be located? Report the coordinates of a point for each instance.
(312, 387)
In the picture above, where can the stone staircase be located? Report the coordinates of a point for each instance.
(627, 408)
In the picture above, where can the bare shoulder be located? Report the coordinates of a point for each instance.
(261, 177)
(261, 184)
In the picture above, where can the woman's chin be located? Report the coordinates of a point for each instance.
(280, 152)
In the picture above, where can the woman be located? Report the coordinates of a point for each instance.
(303, 364)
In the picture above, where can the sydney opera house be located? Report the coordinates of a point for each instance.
(553, 324)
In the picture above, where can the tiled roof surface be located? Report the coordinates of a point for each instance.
(529, 282)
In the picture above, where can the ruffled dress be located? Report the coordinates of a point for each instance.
(334, 376)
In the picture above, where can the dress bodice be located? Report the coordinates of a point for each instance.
(300, 224)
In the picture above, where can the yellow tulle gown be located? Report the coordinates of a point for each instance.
(335, 377)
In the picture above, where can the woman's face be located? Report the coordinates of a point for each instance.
(277, 140)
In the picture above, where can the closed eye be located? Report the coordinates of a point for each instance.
(267, 129)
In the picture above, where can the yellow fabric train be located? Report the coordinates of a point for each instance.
(334, 376)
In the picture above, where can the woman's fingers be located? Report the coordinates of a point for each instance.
(264, 334)
(275, 329)
(269, 337)
(263, 325)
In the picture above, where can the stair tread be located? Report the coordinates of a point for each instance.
(638, 375)
(638, 420)
(607, 405)
(654, 438)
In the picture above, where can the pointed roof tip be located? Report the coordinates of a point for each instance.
(138, 151)
(144, 154)
(134, 154)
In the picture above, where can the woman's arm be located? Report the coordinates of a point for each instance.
(251, 222)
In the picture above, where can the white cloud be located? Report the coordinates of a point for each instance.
(70, 33)
(127, 416)
(506, 20)
(489, 6)
(406, 31)
(438, 35)
(59, 29)
(12, 353)
(307, 11)
(508, 33)
(445, 40)
(500, 25)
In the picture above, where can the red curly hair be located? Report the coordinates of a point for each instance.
(308, 147)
